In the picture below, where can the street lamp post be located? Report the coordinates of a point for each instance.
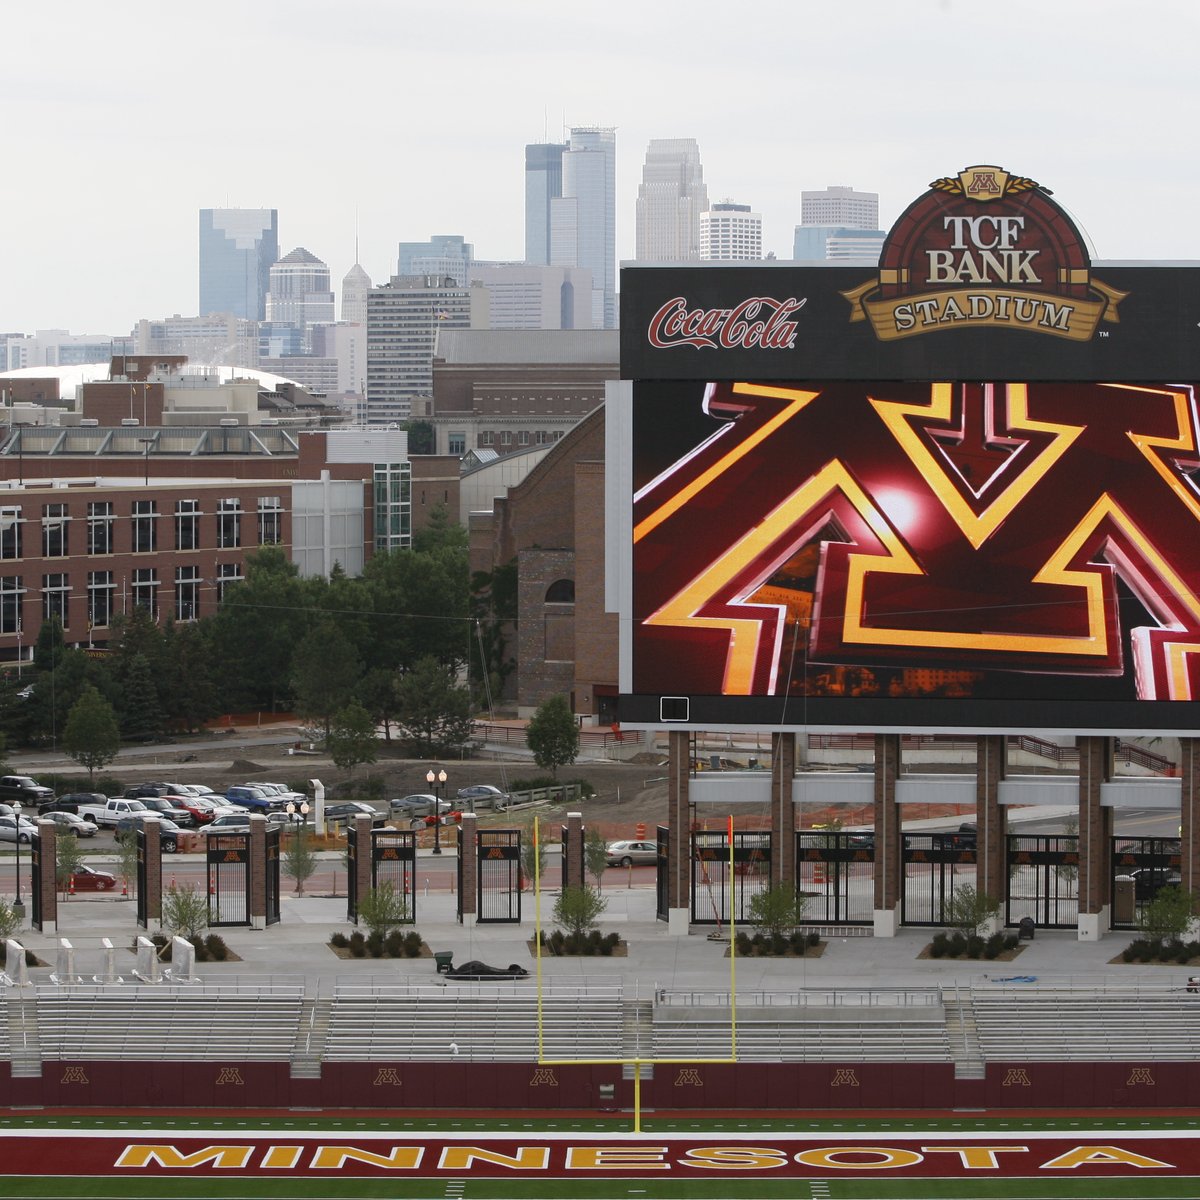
(147, 442)
(438, 784)
(18, 906)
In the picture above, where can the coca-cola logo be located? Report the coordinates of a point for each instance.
(758, 321)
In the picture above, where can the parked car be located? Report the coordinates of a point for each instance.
(252, 798)
(965, 837)
(14, 829)
(418, 805)
(201, 811)
(88, 879)
(70, 802)
(1149, 881)
(453, 817)
(629, 854)
(24, 789)
(233, 822)
(347, 810)
(171, 836)
(142, 790)
(167, 806)
(281, 790)
(484, 795)
(68, 822)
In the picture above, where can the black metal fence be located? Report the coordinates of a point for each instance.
(835, 875)
(723, 890)
(228, 878)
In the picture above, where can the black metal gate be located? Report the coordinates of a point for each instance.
(229, 879)
(272, 881)
(499, 867)
(662, 896)
(567, 856)
(835, 873)
(1141, 868)
(721, 894)
(35, 880)
(458, 871)
(1043, 880)
(394, 864)
(933, 865)
(143, 899)
(352, 874)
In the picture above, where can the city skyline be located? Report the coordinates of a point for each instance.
(120, 160)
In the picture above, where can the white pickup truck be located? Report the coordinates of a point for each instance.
(111, 811)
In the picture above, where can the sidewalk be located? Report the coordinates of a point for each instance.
(297, 948)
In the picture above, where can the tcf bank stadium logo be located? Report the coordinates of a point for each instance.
(985, 248)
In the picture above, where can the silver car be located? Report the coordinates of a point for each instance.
(631, 854)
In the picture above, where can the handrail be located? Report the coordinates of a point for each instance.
(802, 998)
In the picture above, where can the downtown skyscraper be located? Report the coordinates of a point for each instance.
(583, 220)
(671, 197)
(238, 247)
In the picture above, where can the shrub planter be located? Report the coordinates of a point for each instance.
(376, 945)
(1166, 952)
(1000, 947)
(591, 945)
(765, 945)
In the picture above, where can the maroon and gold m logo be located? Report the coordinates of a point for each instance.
(74, 1075)
(984, 181)
(386, 1075)
(1140, 1075)
(688, 1077)
(543, 1077)
(845, 1077)
(230, 1075)
(1016, 1077)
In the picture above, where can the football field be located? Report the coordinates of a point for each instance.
(967, 1156)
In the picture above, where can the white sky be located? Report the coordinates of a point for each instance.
(122, 120)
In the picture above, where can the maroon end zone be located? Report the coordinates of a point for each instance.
(1117, 1154)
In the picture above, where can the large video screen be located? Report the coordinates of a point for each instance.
(893, 554)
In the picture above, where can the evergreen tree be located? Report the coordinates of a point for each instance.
(553, 735)
(325, 673)
(352, 738)
(142, 716)
(92, 736)
(433, 712)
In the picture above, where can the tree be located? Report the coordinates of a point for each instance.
(1168, 915)
(595, 855)
(776, 911)
(142, 711)
(10, 922)
(92, 736)
(299, 861)
(553, 735)
(493, 613)
(325, 672)
(50, 646)
(378, 692)
(432, 711)
(127, 859)
(68, 858)
(184, 910)
(420, 437)
(969, 910)
(352, 738)
(578, 909)
(381, 908)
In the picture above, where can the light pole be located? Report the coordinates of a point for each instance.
(438, 784)
(18, 906)
(147, 442)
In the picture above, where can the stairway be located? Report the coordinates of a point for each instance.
(638, 1022)
(309, 1050)
(25, 1050)
(964, 1039)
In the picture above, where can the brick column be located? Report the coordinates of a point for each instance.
(991, 869)
(783, 811)
(1189, 813)
(573, 852)
(1095, 833)
(48, 892)
(256, 890)
(361, 866)
(679, 845)
(468, 853)
(154, 877)
(888, 868)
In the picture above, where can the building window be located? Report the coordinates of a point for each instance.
(145, 590)
(542, 437)
(100, 527)
(99, 599)
(10, 603)
(145, 526)
(227, 573)
(56, 598)
(187, 524)
(54, 530)
(229, 523)
(456, 442)
(393, 506)
(270, 521)
(505, 437)
(523, 437)
(187, 593)
(10, 533)
(561, 591)
(488, 438)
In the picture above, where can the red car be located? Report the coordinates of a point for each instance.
(88, 879)
(202, 812)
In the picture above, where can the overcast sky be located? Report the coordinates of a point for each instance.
(410, 119)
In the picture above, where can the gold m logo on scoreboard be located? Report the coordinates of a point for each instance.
(543, 1077)
(230, 1075)
(386, 1075)
(1016, 1077)
(1140, 1075)
(845, 1076)
(75, 1075)
(689, 1077)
